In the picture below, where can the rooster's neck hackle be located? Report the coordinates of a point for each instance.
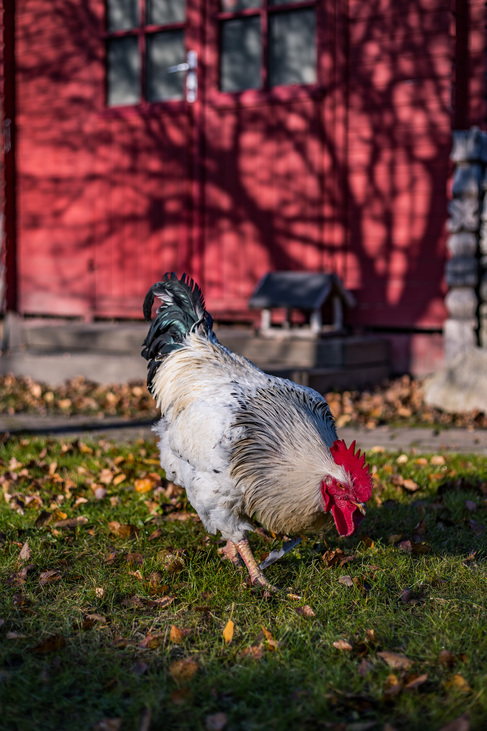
(182, 311)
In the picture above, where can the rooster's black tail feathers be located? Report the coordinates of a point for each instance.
(182, 311)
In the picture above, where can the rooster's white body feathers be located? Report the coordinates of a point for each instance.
(246, 446)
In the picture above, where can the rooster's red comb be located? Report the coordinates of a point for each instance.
(354, 463)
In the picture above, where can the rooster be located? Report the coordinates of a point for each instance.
(248, 448)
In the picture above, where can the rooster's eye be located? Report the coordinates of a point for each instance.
(342, 487)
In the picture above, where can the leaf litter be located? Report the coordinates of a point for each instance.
(399, 401)
(362, 652)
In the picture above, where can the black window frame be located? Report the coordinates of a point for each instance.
(141, 32)
(265, 10)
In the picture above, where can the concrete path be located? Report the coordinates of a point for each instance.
(383, 437)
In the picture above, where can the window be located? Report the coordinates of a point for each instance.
(144, 38)
(266, 43)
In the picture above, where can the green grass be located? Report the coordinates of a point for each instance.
(90, 642)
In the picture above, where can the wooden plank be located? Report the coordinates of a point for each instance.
(384, 8)
(264, 197)
(427, 94)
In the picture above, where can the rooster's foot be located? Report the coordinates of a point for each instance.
(257, 577)
(230, 552)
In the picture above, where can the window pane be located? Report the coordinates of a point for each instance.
(164, 50)
(123, 71)
(292, 47)
(231, 6)
(122, 14)
(161, 12)
(241, 54)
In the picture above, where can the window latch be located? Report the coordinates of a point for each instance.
(191, 66)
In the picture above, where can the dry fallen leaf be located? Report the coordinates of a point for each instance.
(272, 644)
(15, 636)
(24, 554)
(173, 562)
(397, 480)
(156, 534)
(108, 724)
(228, 632)
(392, 685)
(406, 546)
(255, 652)
(180, 696)
(182, 516)
(136, 559)
(395, 661)
(336, 557)
(305, 611)
(71, 522)
(144, 485)
(458, 682)
(177, 635)
(367, 541)
(48, 577)
(446, 657)
(410, 485)
(162, 602)
(44, 518)
(415, 681)
(183, 670)
(136, 574)
(50, 644)
(437, 460)
(216, 722)
(370, 635)
(59, 514)
(123, 531)
(461, 723)
(95, 618)
(146, 720)
(106, 476)
(406, 595)
(343, 645)
(365, 667)
(346, 580)
(150, 642)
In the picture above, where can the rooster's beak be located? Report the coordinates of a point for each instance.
(361, 507)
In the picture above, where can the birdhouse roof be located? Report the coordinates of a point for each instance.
(299, 290)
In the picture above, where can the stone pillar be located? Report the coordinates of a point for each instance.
(464, 269)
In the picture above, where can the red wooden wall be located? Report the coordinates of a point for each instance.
(354, 180)
(398, 136)
(102, 198)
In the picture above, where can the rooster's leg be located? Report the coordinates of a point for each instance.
(256, 576)
(230, 551)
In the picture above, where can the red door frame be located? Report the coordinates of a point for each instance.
(8, 128)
